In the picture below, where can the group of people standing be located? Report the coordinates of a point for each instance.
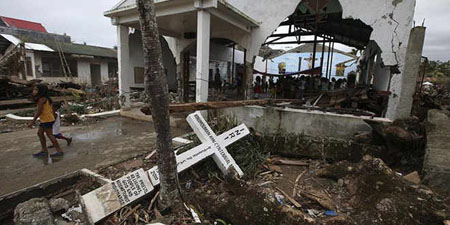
(290, 87)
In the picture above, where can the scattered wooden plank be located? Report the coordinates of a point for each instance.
(28, 101)
(16, 80)
(150, 155)
(291, 162)
(191, 107)
(292, 200)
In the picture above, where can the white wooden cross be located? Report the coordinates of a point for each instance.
(123, 191)
(211, 145)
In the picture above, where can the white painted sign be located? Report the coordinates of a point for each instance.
(131, 187)
(117, 194)
(111, 197)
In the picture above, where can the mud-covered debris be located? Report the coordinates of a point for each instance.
(275, 169)
(35, 211)
(74, 214)
(413, 177)
(59, 204)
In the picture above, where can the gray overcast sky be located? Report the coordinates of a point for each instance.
(83, 20)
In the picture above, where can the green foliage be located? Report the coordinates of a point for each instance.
(437, 69)
(248, 152)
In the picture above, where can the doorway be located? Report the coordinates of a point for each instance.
(96, 78)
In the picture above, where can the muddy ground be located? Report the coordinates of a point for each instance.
(361, 189)
(96, 145)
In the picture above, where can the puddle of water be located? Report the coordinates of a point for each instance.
(97, 135)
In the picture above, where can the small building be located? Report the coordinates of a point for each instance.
(52, 57)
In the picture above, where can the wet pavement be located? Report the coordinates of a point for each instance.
(97, 145)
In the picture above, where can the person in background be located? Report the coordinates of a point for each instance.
(344, 84)
(317, 83)
(332, 84)
(217, 81)
(273, 88)
(302, 87)
(47, 119)
(324, 85)
(57, 124)
(257, 87)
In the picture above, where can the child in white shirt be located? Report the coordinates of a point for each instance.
(57, 124)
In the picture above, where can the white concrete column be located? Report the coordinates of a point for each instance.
(203, 43)
(125, 71)
(403, 85)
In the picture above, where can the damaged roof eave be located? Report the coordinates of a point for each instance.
(223, 9)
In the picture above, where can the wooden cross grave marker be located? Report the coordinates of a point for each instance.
(111, 197)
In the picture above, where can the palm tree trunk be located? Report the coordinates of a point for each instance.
(157, 90)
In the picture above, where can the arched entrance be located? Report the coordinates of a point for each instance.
(320, 25)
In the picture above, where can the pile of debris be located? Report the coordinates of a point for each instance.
(16, 93)
(323, 184)
(362, 100)
(314, 192)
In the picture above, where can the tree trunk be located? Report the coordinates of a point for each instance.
(157, 90)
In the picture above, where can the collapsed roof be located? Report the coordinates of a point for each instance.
(324, 19)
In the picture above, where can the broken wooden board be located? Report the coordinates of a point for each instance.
(196, 106)
(28, 101)
(16, 80)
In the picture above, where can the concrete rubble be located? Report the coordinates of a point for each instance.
(35, 211)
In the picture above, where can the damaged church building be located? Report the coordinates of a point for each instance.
(212, 29)
(280, 112)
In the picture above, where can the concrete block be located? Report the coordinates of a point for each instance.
(113, 196)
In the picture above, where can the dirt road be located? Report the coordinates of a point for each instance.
(100, 144)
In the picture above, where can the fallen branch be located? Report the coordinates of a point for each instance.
(153, 201)
(129, 213)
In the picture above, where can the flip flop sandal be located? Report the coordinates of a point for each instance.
(40, 154)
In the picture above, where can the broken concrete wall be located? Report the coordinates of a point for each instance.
(272, 121)
(391, 22)
(436, 166)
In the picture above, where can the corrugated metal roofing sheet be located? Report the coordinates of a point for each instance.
(30, 46)
(23, 24)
